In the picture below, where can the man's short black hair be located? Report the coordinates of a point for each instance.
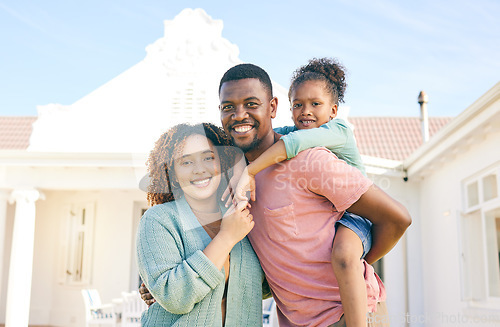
(243, 71)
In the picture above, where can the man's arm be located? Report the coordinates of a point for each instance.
(390, 220)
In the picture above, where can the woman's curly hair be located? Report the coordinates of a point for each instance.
(323, 69)
(162, 186)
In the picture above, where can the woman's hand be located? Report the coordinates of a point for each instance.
(236, 223)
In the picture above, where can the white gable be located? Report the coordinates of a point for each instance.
(176, 82)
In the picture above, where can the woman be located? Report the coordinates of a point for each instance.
(201, 269)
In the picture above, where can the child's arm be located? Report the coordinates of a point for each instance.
(333, 135)
(246, 182)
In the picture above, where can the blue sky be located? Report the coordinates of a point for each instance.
(59, 51)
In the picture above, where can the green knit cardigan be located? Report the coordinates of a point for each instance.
(187, 286)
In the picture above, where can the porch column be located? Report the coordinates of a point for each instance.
(4, 196)
(21, 258)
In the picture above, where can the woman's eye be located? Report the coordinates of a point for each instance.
(209, 158)
(186, 163)
(316, 104)
(296, 106)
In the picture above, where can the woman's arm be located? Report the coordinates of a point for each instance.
(236, 224)
(178, 283)
(175, 282)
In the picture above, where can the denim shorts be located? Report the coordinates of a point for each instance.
(360, 226)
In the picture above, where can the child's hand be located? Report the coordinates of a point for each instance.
(238, 187)
(245, 184)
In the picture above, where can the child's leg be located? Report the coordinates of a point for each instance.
(346, 253)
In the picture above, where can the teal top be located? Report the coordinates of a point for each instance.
(187, 286)
(335, 135)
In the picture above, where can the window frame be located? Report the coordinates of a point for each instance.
(479, 210)
(71, 227)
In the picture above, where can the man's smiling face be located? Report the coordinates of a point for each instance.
(246, 109)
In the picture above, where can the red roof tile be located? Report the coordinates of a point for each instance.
(392, 137)
(15, 132)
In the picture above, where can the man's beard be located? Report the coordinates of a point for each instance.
(250, 146)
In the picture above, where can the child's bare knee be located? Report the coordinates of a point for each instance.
(345, 258)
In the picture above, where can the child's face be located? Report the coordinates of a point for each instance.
(312, 105)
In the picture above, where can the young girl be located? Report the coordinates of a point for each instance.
(315, 92)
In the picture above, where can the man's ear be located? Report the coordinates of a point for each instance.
(335, 108)
(274, 107)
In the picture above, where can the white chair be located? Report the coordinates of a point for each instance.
(132, 309)
(97, 313)
(269, 314)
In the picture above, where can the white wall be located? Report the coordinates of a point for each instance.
(440, 205)
(402, 264)
(56, 304)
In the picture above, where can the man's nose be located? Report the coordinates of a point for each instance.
(240, 113)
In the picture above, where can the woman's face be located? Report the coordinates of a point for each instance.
(197, 169)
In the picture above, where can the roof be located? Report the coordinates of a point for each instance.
(15, 132)
(382, 137)
(392, 137)
(476, 124)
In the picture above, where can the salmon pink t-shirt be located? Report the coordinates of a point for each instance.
(297, 204)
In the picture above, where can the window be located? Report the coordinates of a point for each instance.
(76, 254)
(480, 234)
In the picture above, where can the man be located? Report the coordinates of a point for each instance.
(297, 204)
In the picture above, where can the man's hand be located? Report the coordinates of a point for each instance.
(390, 220)
(145, 295)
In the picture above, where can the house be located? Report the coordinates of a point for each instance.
(70, 199)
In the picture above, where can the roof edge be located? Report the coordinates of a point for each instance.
(477, 112)
(68, 159)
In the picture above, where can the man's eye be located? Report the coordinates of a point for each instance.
(315, 104)
(252, 105)
(227, 107)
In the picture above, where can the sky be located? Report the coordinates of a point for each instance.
(59, 51)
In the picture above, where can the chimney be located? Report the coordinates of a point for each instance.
(424, 119)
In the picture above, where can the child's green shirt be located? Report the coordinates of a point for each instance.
(335, 135)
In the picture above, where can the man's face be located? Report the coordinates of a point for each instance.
(246, 110)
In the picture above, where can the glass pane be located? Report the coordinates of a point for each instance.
(493, 252)
(473, 257)
(472, 195)
(490, 187)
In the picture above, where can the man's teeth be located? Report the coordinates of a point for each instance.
(242, 129)
(203, 181)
